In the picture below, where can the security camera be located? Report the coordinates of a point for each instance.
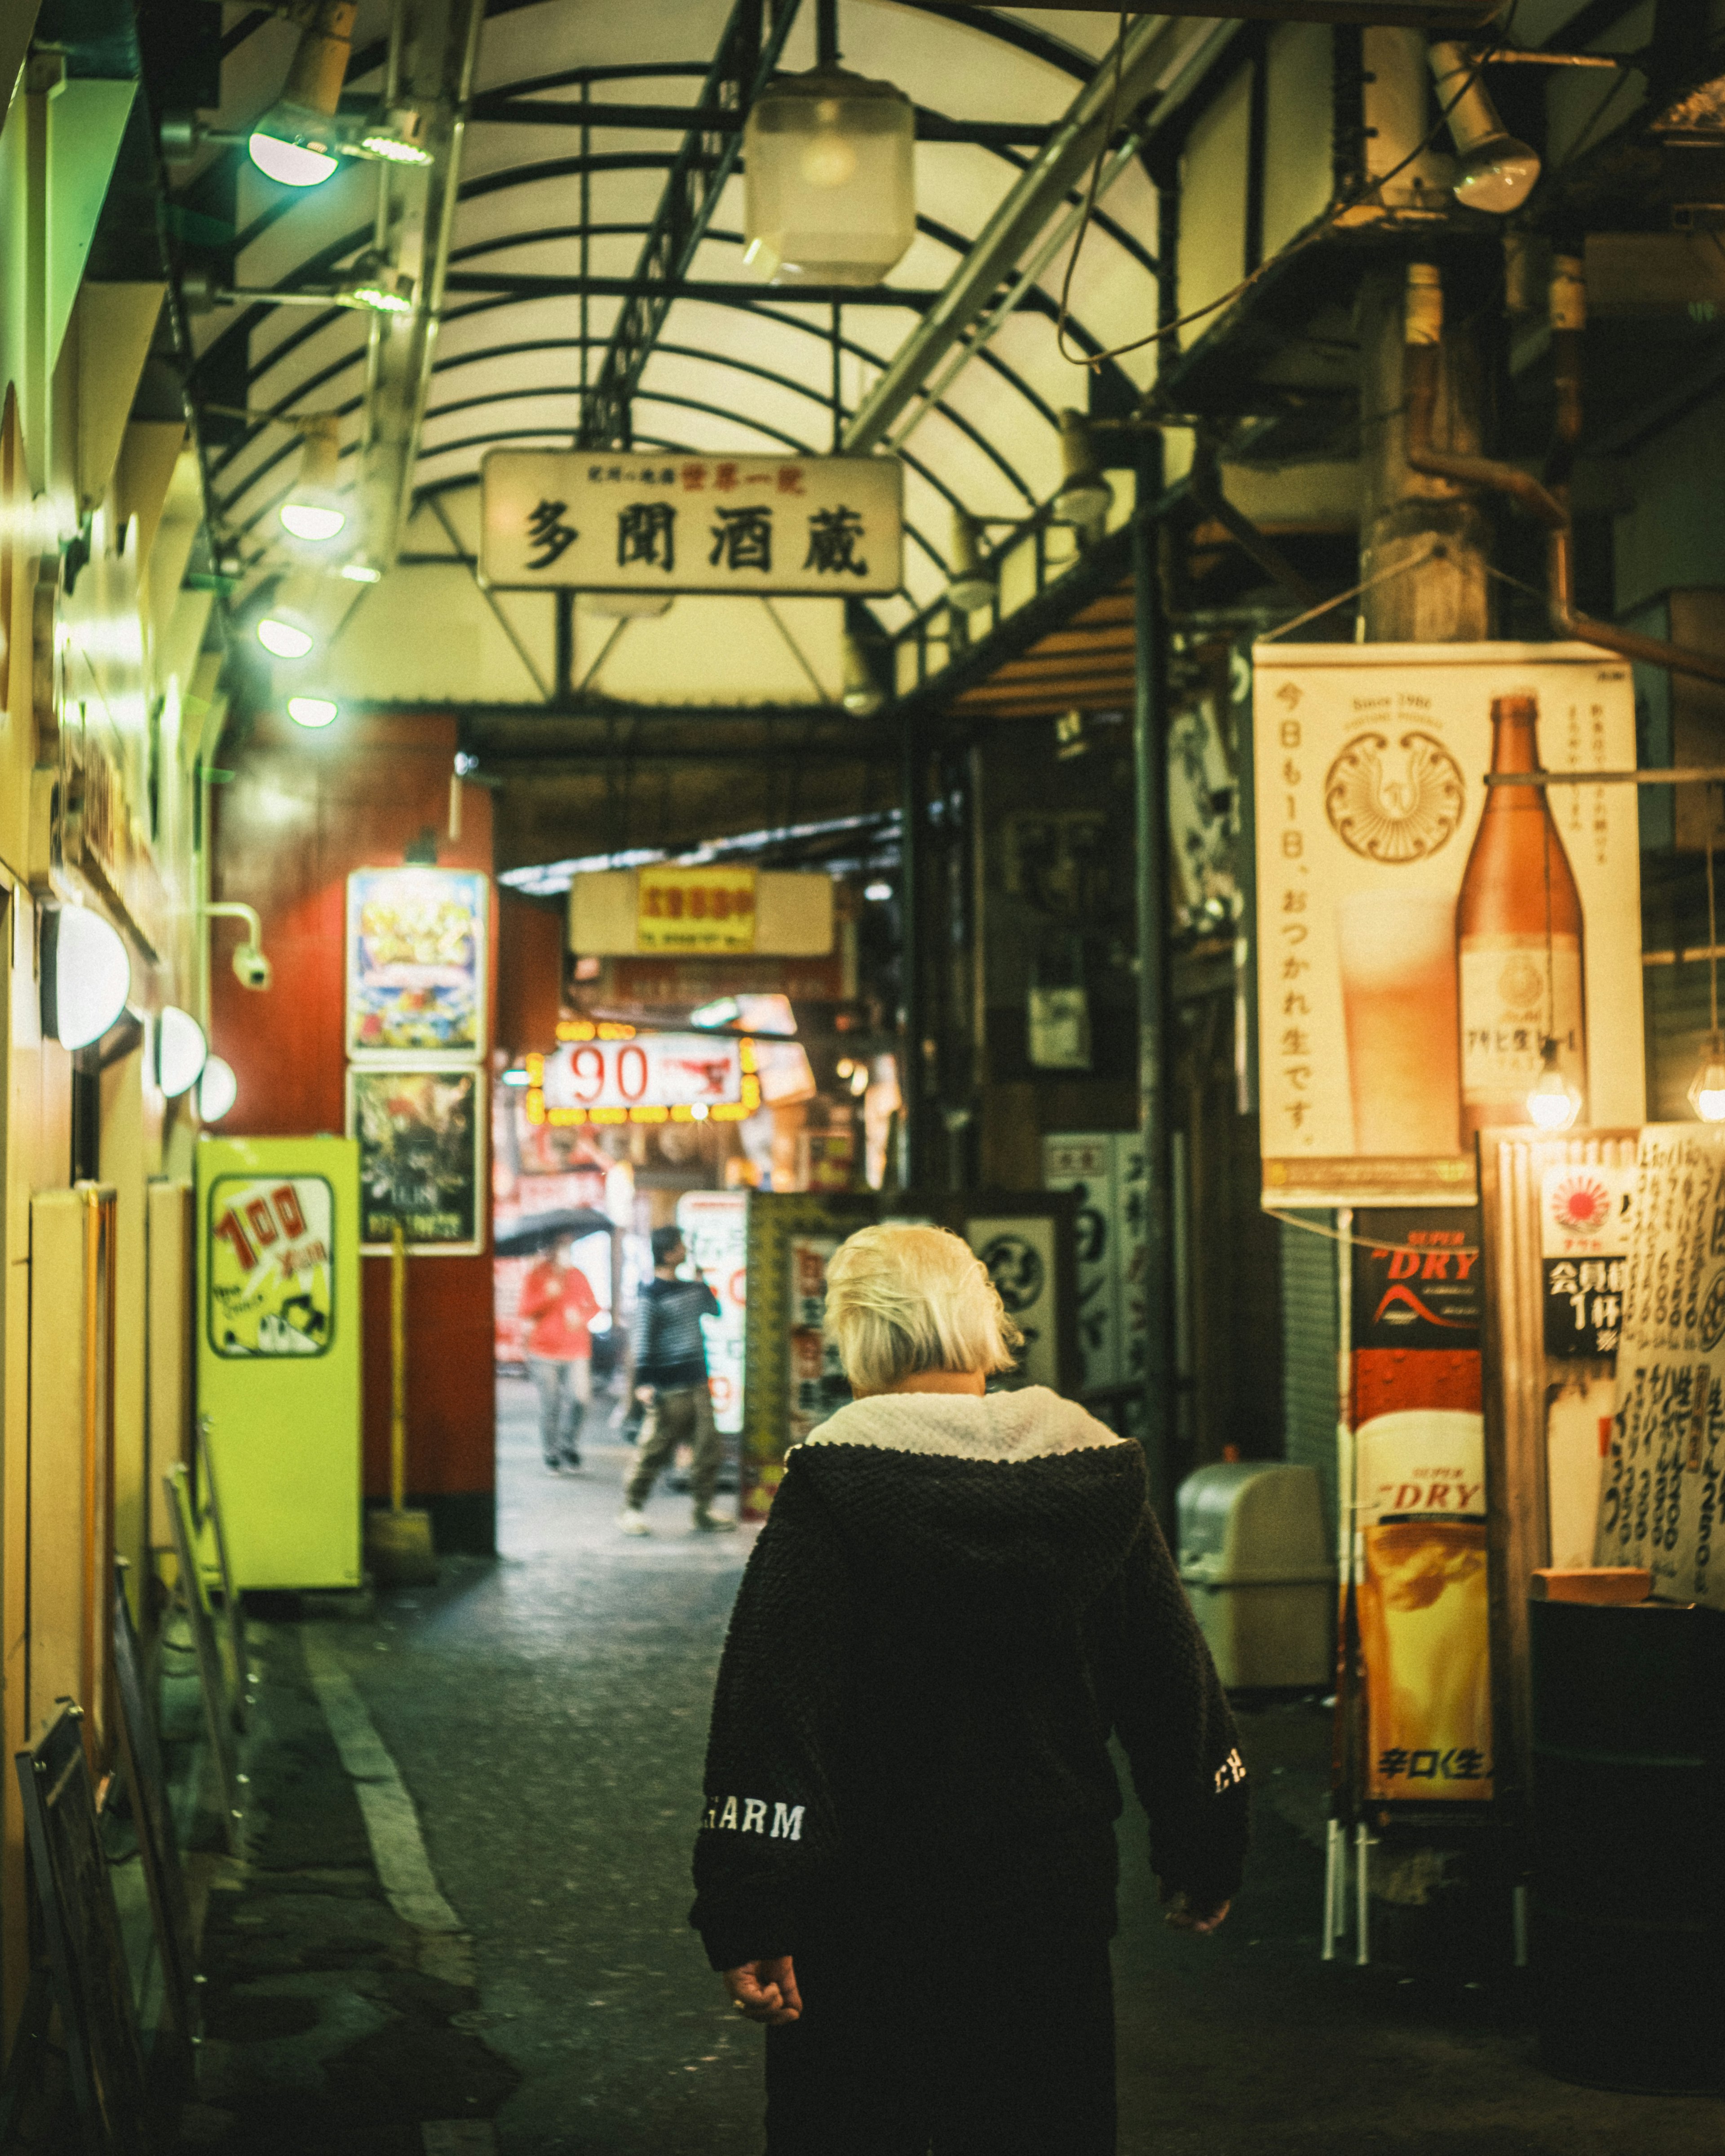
(251, 968)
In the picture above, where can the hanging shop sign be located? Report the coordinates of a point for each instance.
(421, 1136)
(1584, 1213)
(1019, 1255)
(621, 1076)
(1660, 1490)
(1084, 1163)
(709, 909)
(1416, 946)
(416, 963)
(623, 521)
(269, 1275)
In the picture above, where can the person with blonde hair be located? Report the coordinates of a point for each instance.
(906, 1867)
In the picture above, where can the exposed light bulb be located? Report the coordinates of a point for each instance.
(1553, 1102)
(294, 164)
(283, 640)
(313, 521)
(877, 894)
(1707, 1090)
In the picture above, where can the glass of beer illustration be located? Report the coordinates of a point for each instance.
(1397, 956)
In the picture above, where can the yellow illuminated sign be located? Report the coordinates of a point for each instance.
(694, 909)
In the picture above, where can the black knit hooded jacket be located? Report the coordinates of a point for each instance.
(954, 1605)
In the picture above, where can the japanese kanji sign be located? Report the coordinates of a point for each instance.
(694, 909)
(1660, 1492)
(1584, 1215)
(1369, 763)
(623, 521)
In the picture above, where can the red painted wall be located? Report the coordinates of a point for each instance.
(301, 812)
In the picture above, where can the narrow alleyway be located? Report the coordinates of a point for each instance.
(547, 1714)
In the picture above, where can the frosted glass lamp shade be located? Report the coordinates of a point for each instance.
(218, 1090)
(86, 976)
(830, 192)
(181, 1051)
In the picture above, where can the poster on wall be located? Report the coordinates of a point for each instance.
(421, 1156)
(270, 1284)
(417, 943)
(715, 1227)
(1660, 1487)
(1421, 935)
(1419, 1550)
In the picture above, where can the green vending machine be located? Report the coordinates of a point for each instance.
(278, 1370)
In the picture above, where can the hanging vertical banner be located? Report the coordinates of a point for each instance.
(1421, 935)
(1660, 1490)
(1419, 1545)
(714, 1226)
(1084, 1163)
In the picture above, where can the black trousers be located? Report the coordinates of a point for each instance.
(969, 2047)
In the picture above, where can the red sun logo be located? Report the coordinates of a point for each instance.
(1582, 1205)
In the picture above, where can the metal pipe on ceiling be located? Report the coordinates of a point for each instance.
(1158, 60)
(433, 68)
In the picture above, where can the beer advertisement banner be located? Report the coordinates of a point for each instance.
(1659, 1494)
(1420, 1466)
(1420, 935)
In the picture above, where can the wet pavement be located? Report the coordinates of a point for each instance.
(546, 1713)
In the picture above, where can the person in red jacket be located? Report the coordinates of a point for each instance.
(559, 1300)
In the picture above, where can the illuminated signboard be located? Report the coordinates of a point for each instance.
(610, 1074)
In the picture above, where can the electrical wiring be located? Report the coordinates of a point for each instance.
(1367, 187)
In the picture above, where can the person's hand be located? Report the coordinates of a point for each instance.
(644, 1393)
(765, 1991)
(1186, 1912)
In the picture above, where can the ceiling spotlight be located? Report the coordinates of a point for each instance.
(1085, 497)
(313, 711)
(398, 140)
(860, 693)
(1496, 172)
(181, 1051)
(295, 141)
(86, 975)
(971, 585)
(284, 637)
(828, 178)
(218, 1090)
(311, 511)
(374, 285)
(362, 572)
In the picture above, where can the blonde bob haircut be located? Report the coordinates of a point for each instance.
(900, 1299)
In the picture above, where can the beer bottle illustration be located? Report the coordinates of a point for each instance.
(1519, 939)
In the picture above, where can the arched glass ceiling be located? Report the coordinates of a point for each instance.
(539, 200)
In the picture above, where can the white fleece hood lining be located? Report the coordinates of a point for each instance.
(1032, 1424)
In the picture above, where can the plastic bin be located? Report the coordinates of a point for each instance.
(1254, 1558)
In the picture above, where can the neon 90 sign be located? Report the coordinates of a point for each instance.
(656, 1078)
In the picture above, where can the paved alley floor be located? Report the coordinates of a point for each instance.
(546, 1713)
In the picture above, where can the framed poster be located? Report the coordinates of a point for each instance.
(417, 945)
(1413, 952)
(421, 1137)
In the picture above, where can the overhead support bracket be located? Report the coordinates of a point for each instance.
(747, 54)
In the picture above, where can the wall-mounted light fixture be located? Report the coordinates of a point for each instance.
(1085, 496)
(218, 1090)
(971, 584)
(313, 711)
(181, 1051)
(285, 634)
(86, 975)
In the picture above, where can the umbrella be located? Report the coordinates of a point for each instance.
(537, 1231)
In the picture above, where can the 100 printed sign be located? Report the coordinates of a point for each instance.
(623, 521)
